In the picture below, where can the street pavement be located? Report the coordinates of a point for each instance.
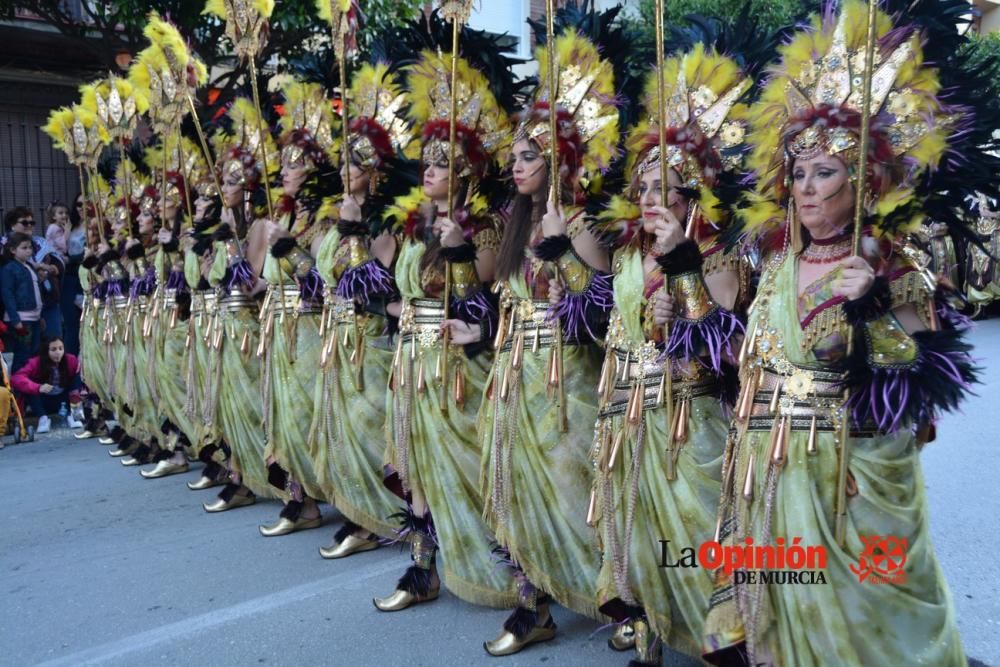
(101, 567)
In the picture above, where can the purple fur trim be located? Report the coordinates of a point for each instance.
(113, 288)
(100, 290)
(240, 274)
(176, 281)
(476, 308)
(365, 282)
(311, 286)
(712, 334)
(572, 308)
(145, 285)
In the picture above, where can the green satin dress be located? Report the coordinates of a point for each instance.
(433, 446)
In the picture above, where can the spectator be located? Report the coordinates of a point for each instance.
(57, 226)
(22, 299)
(48, 380)
(72, 291)
(49, 264)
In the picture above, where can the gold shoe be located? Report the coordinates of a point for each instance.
(508, 644)
(624, 638)
(85, 435)
(117, 451)
(285, 526)
(106, 440)
(220, 505)
(163, 469)
(204, 483)
(352, 544)
(400, 600)
(131, 461)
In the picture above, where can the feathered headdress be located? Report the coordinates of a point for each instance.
(587, 115)
(378, 124)
(306, 124)
(117, 103)
(246, 23)
(812, 104)
(481, 125)
(167, 73)
(239, 149)
(78, 133)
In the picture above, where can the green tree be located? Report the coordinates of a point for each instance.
(768, 13)
(983, 49)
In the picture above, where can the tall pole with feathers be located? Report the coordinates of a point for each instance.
(840, 525)
(343, 18)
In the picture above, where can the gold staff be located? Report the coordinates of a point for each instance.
(840, 527)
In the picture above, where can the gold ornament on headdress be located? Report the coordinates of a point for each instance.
(585, 89)
(378, 97)
(246, 134)
(246, 23)
(307, 108)
(117, 104)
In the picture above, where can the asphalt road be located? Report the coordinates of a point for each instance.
(101, 567)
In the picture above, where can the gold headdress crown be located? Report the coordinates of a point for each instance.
(585, 101)
(240, 149)
(117, 103)
(306, 123)
(78, 133)
(379, 128)
(246, 23)
(481, 125)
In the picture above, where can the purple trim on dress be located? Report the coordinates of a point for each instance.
(145, 285)
(572, 308)
(714, 333)
(362, 283)
(474, 309)
(176, 281)
(241, 274)
(953, 318)
(311, 286)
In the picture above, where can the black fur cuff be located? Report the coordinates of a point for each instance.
(352, 228)
(876, 302)
(460, 254)
(553, 247)
(90, 261)
(202, 245)
(203, 226)
(203, 285)
(685, 258)
(282, 247)
(223, 233)
(135, 252)
(109, 256)
(172, 245)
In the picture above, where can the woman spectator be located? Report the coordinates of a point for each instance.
(48, 380)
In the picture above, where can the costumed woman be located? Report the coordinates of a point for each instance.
(290, 317)
(555, 294)
(356, 260)
(658, 473)
(786, 487)
(436, 386)
(232, 329)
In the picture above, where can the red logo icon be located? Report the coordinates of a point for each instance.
(882, 560)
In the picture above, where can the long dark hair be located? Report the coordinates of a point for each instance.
(45, 363)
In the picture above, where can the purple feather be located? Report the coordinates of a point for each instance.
(709, 339)
(572, 308)
(474, 309)
(311, 286)
(240, 274)
(365, 282)
(176, 281)
(145, 285)
(953, 318)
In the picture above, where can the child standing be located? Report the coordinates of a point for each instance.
(22, 299)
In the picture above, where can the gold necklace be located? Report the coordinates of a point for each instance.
(826, 251)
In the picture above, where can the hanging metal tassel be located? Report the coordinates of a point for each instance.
(681, 425)
(616, 448)
(592, 508)
(635, 403)
(245, 343)
(780, 452)
(439, 366)
(459, 387)
(748, 481)
(604, 381)
(517, 352)
(505, 381)
(773, 405)
(811, 443)
(498, 339)
(747, 346)
(535, 341)
(421, 383)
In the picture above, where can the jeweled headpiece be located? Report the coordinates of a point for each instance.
(240, 149)
(587, 117)
(378, 124)
(306, 125)
(481, 128)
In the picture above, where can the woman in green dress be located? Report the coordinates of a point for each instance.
(555, 294)
(659, 470)
(440, 361)
(824, 486)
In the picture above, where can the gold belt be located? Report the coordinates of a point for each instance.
(802, 395)
(237, 302)
(203, 301)
(420, 320)
(632, 366)
(289, 300)
(529, 316)
(341, 309)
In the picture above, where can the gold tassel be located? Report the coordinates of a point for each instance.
(501, 334)
(187, 342)
(602, 383)
(635, 403)
(616, 448)
(439, 366)
(747, 345)
(322, 322)
(748, 481)
(245, 343)
(750, 391)
(773, 405)
(592, 508)
(420, 375)
(535, 340)
(359, 368)
(681, 427)
(811, 443)
(628, 358)
(459, 387)
(517, 352)
(552, 374)
(505, 381)
(779, 453)
(173, 317)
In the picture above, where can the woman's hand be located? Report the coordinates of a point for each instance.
(856, 278)
(553, 222)
(450, 232)
(394, 309)
(102, 248)
(276, 232)
(669, 232)
(131, 243)
(556, 292)
(45, 389)
(350, 209)
(164, 236)
(663, 309)
(462, 333)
